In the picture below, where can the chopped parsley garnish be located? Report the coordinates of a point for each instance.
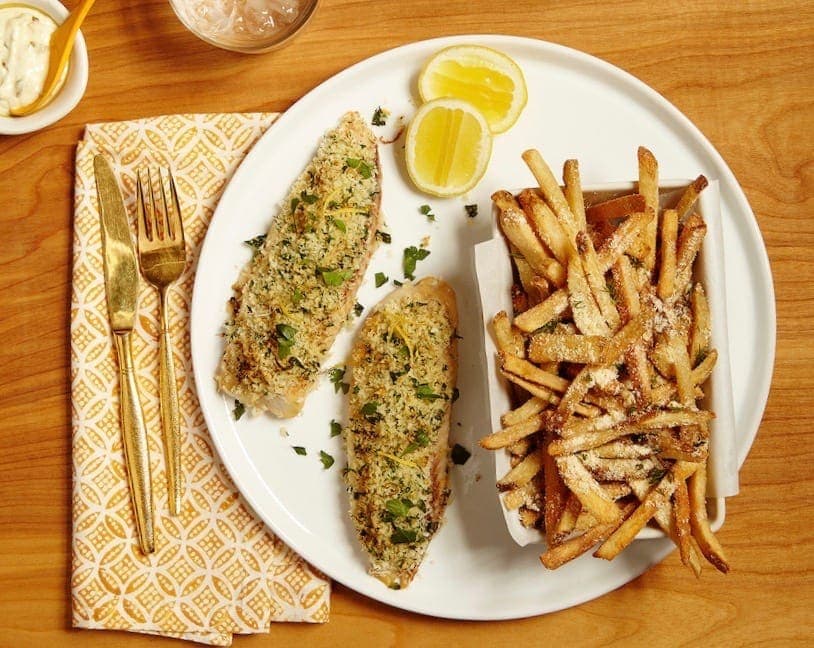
(380, 116)
(471, 210)
(296, 296)
(549, 327)
(396, 282)
(384, 237)
(425, 392)
(308, 199)
(334, 277)
(240, 410)
(427, 211)
(403, 536)
(361, 166)
(381, 279)
(336, 374)
(460, 455)
(656, 475)
(300, 450)
(256, 243)
(285, 339)
(326, 459)
(336, 428)
(357, 309)
(371, 411)
(456, 394)
(294, 203)
(398, 507)
(339, 224)
(413, 255)
(421, 440)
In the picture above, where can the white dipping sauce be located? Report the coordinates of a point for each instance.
(25, 39)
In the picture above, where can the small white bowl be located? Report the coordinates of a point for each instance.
(71, 91)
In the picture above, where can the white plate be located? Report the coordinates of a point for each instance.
(578, 107)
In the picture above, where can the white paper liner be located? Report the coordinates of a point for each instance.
(494, 274)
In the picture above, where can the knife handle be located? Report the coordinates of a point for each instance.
(170, 419)
(134, 437)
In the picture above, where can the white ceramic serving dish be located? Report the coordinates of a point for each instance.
(495, 279)
(71, 91)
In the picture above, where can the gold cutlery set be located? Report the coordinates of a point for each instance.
(161, 257)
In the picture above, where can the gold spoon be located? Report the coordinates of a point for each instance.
(61, 46)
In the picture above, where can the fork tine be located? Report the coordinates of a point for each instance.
(165, 222)
(144, 231)
(157, 232)
(178, 224)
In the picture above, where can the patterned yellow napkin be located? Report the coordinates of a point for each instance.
(216, 570)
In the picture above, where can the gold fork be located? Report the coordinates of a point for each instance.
(162, 257)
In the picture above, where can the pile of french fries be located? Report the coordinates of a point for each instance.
(607, 353)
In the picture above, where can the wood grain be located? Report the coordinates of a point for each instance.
(741, 71)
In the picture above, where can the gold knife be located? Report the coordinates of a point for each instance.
(121, 288)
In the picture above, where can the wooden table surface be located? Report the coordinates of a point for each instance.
(743, 74)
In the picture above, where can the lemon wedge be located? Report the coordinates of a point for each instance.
(486, 78)
(448, 147)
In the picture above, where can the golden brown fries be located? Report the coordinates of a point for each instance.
(609, 345)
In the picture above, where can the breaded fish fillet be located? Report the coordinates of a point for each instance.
(296, 293)
(404, 365)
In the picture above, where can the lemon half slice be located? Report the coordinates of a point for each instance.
(486, 78)
(448, 147)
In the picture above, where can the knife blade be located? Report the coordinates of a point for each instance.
(121, 291)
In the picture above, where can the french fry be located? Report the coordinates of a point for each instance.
(689, 243)
(626, 337)
(573, 193)
(627, 531)
(547, 347)
(681, 369)
(667, 269)
(520, 299)
(587, 440)
(552, 193)
(703, 369)
(568, 519)
(699, 523)
(517, 229)
(620, 469)
(523, 472)
(587, 315)
(596, 280)
(681, 518)
(615, 208)
(638, 368)
(690, 195)
(623, 449)
(546, 225)
(529, 517)
(645, 249)
(512, 434)
(617, 490)
(544, 393)
(535, 286)
(700, 332)
(544, 313)
(664, 518)
(527, 370)
(521, 447)
(579, 426)
(565, 552)
(509, 340)
(623, 237)
(516, 498)
(531, 407)
(555, 495)
(587, 489)
(625, 286)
